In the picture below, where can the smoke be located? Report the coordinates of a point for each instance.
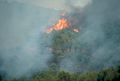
(56, 4)
(100, 14)
(22, 27)
(21, 36)
(99, 22)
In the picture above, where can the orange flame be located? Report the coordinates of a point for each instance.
(62, 23)
(63, 13)
(48, 31)
(68, 50)
(50, 49)
(76, 30)
(83, 50)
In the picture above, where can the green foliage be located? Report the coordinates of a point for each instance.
(34, 75)
(53, 68)
(48, 76)
(5, 79)
(64, 40)
(64, 76)
(1, 78)
(14, 79)
(110, 74)
(81, 52)
(118, 68)
(74, 77)
(23, 79)
(88, 76)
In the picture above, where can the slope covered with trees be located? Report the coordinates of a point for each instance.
(110, 74)
(80, 56)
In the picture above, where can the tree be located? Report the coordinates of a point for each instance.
(5, 79)
(14, 79)
(64, 76)
(53, 68)
(1, 78)
(23, 79)
(74, 77)
(48, 76)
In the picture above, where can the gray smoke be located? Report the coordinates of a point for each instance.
(99, 21)
(99, 15)
(22, 26)
(21, 31)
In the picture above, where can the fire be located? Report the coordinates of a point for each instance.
(68, 50)
(63, 13)
(62, 23)
(50, 49)
(76, 30)
(48, 31)
(83, 50)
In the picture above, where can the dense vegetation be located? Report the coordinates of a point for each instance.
(80, 56)
(73, 54)
(110, 74)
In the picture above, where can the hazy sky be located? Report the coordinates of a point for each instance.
(56, 4)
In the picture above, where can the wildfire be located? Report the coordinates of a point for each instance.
(50, 49)
(62, 23)
(49, 30)
(68, 50)
(76, 30)
(83, 50)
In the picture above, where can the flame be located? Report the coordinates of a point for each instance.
(63, 13)
(76, 30)
(68, 50)
(48, 31)
(62, 23)
(83, 50)
(50, 49)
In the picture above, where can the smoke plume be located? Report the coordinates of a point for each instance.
(22, 26)
(99, 22)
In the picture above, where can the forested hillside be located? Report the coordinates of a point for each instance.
(82, 45)
(72, 53)
(110, 74)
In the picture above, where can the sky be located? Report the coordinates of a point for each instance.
(56, 4)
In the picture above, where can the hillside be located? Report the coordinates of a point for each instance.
(39, 43)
